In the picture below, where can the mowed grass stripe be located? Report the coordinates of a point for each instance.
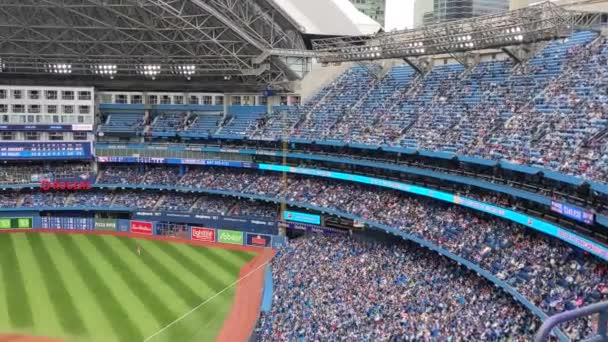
(4, 318)
(207, 275)
(217, 262)
(190, 288)
(223, 260)
(62, 302)
(154, 303)
(17, 300)
(124, 328)
(44, 318)
(157, 265)
(93, 316)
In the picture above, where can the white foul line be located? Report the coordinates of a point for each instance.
(205, 302)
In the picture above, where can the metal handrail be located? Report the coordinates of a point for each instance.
(553, 321)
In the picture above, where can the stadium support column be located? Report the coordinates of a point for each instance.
(414, 65)
(226, 104)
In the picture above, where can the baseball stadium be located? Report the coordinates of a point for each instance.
(319, 170)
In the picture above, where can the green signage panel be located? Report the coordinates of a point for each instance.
(230, 236)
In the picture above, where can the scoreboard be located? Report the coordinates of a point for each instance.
(46, 150)
(70, 223)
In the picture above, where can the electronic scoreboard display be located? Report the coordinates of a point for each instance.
(45, 150)
(70, 223)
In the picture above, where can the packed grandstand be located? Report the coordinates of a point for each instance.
(450, 198)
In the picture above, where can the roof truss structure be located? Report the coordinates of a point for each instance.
(528, 25)
(145, 38)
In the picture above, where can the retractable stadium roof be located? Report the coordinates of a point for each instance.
(203, 41)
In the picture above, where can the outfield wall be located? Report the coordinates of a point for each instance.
(140, 227)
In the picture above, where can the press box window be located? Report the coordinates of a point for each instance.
(67, 95)
(17, 94)
(3, 108)
(121, 98)
(8, 135)
(84, 109)
(34, 94)
(68, 109)
(84, 95)
(80, 135)
(51, 109)
(207, 100)
(193, 100)
(136, 99)
(32, 136)
(33, 109)
(55, 136)
(51, 94)
(19, 108)
(2, 94)
(153, 99)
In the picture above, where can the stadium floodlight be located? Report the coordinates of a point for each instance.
(105, 69)
(59, 68)
(149, 70)
(187, 70)
(541, 22)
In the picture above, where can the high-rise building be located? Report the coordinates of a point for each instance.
(448, 10)
(375, 9)
(422, 9)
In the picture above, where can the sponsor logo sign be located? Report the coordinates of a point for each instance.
(140, 227)
(203, 234)
(301, 217)
(105, 224)
(16, 223)
(259, 240)
(47, 185)
(230, 236)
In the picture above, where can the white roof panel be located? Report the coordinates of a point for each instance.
(329, 17)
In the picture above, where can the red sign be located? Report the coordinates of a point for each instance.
(47, 185)
(140, 227)
(203, 234)
(258, 241)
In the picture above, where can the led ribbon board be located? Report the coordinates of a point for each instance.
(526, 220)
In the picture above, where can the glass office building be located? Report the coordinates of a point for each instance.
(375, 9)
(448, 10)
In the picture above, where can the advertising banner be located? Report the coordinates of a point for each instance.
(301, 217)
(243, 223)
(141, 227)
(202, 234)
(15, 223)
(259, 240)
(230, 236)
(123, 225)
(105, 224)
(573, 212)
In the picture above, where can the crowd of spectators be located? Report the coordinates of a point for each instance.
(34, 172)
(337, 288)
(550, 273)
(549, 111)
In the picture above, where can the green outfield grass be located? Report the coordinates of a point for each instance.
(96, 288)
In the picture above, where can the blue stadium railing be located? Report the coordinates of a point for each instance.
(374, 225)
